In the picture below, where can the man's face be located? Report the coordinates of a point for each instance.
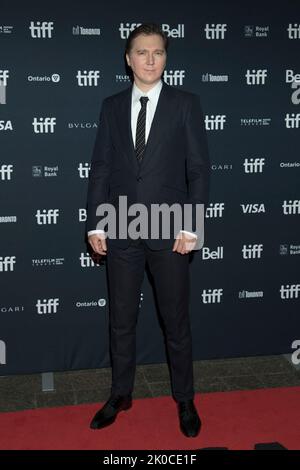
(147, 59)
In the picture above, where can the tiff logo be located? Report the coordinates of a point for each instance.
(256, 77)
(215, 210)
(86, 261)
(292, 120)
(291, 207)
(252, 251)
(293, 31)
(215, 31)
(126, 28)
(41, 29)
(47, 216)
(6, 172)
(88, 78)
(47, 306)
(83, 170)
(44, 125)
(7, 263)
(212, 296)
(2, 352)
(213, 123)
(253, 165)
(288, 292)
(174, 77)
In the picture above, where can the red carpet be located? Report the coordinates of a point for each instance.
(237, 420)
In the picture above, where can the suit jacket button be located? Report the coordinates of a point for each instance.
(139, 178)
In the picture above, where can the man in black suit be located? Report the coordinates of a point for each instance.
(150, 147)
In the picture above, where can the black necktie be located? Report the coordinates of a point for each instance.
(140, 141)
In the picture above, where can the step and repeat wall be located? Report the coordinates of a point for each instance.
(58, 61)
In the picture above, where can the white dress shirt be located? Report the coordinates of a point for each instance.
(153, 95)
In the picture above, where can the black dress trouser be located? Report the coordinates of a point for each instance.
(170, 271)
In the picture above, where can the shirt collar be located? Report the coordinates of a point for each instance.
(152, 94)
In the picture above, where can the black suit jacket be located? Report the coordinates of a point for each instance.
(175, 167)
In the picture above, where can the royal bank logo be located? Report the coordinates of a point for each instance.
(88, 77)
(43, 171)
(212, 296)
(291, 207)
(173, 32)
(41, 29)
(83, 170)
(252, 251)
(215, 122)
(44, 306)
(47, 216)
(289, 249)
(289, 291)
(2, 352)
(84, 31)
(293, 31)
(256, 77)
(254, 165)
(254, 31)
(6, 172)
(7, 263)
(174, 77)
(215, 31)
(44, 125)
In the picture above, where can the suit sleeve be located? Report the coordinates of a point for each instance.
(197, 157)
(100, 170)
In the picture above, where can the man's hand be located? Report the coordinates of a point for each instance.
(184, 243)
(98, 243)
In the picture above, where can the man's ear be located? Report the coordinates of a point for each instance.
(127, 60)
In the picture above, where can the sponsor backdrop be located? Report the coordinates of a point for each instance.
(58, 61)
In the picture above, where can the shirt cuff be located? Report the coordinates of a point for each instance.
(93, 232)
(192, 234)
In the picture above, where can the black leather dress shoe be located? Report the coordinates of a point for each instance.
(108, 413)
(190, 422)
